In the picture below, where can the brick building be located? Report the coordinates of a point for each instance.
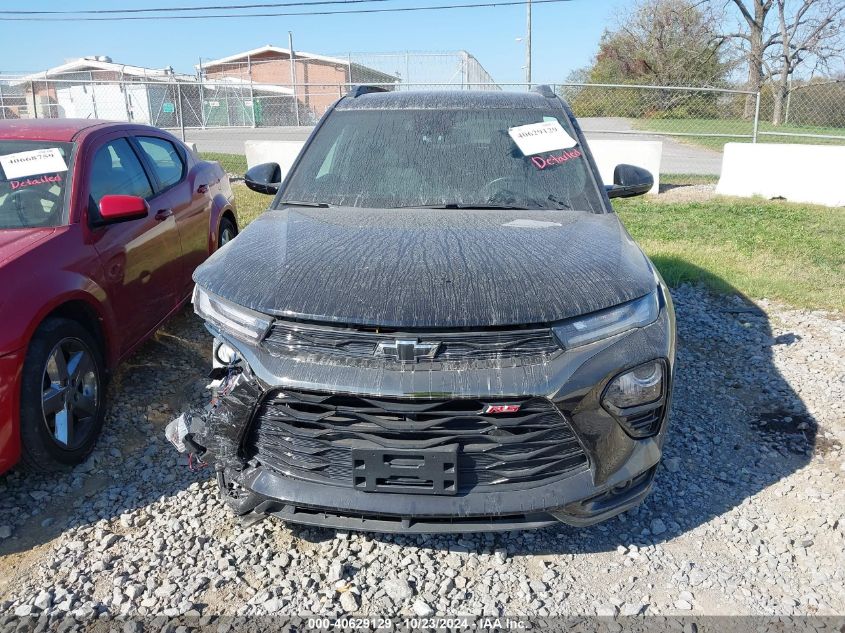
(315, 80)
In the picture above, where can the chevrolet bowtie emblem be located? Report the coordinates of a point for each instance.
(406, 351)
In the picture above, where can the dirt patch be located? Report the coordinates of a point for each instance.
(686, 193)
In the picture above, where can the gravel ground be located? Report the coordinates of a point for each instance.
(747, 515)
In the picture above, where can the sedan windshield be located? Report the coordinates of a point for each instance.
(33, 182)
(444, 159)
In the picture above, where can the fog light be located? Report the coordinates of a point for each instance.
(225, 354)
(638, 386)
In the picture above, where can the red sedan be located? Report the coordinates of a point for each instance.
(101, 227)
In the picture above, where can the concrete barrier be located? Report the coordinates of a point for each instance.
(800, 173)
(610, 153)
(281, 152)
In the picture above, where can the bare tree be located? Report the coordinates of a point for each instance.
(810, 34)
(778, 37)
(755, 42)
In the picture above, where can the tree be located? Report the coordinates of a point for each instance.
(665, 42)
(810, 34)
(753, 13)
(780, 37)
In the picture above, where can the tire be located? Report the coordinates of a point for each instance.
(62, 410)
(227, 232)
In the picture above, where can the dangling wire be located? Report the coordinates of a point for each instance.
(195, 467)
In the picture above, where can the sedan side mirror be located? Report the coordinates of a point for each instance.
(628, 181)
(118, 208)
(264, 178)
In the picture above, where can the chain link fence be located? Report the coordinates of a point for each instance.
(418, 68)
(813, 110)
(694, 122)
(452, 69)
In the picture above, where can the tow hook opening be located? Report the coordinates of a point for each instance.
(234, 495)
(620, 496)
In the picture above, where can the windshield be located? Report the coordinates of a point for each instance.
(444, 158)
(33, 179)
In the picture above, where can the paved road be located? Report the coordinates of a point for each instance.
(678, 158)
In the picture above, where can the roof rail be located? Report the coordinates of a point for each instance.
(357, 91)
(544, 90)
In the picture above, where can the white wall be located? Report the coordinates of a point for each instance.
(610, 153)
(800, 173)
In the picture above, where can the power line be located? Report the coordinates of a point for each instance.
(507, 3)
(220, 7)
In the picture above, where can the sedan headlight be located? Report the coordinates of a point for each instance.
(609, 322)
(242, 323)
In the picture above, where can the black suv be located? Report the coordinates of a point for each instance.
(440, 325)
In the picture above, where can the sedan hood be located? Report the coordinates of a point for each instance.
(429, 268)
(16, 241)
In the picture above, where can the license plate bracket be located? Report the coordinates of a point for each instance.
(409, 471)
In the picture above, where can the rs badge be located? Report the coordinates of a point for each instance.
(495, 409)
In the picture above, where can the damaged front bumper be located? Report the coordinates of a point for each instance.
(304, 472)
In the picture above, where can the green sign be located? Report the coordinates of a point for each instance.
(168, 108)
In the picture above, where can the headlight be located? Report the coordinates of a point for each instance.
(641, 385)
(242, 323)
(605, 323)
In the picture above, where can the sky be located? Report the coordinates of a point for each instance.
(565, 35)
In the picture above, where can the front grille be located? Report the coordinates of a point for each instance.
(310, 436)
(287, 338)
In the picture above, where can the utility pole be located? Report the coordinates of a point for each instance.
(528, 47)
(293, 75)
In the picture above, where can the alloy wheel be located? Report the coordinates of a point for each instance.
(226, 235)
(70, 393)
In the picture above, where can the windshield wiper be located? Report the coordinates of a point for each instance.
(455, 205)
(561, 205)
(299, 203)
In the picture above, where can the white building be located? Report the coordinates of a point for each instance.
(98, 88)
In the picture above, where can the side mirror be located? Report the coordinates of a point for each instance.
(264, 178)
(628, 181)
(116, 208)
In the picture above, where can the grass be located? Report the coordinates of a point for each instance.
(234, 164)
(250, 204)
(688, 179)
(721, 126)
(789, 252)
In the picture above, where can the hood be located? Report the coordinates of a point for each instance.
(15, 242)
(429, 268)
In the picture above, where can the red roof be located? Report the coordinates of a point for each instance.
(47, 129)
